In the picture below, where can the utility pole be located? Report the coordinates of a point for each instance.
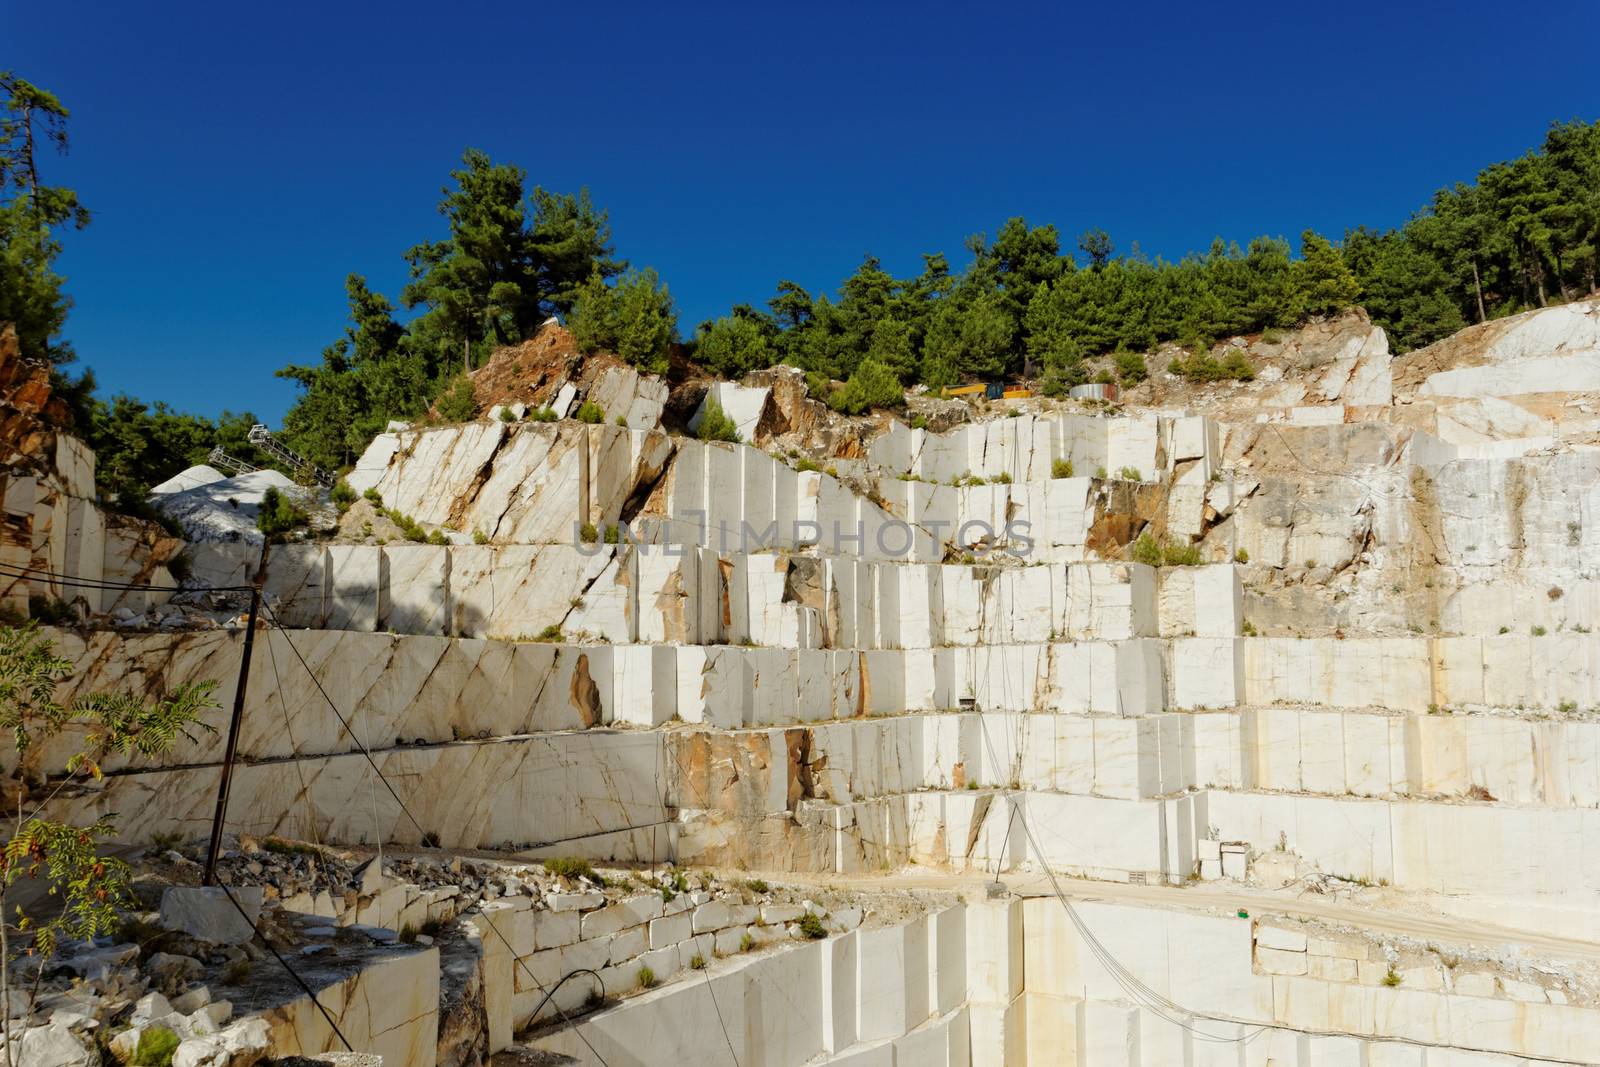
(232, 749)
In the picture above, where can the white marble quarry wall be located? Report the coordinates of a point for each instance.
(687, 595)
(991, 983)
(1026, 447)
(1515, 853)
(894, 994)
(1549, 763)
(597, 793)
(526, 483)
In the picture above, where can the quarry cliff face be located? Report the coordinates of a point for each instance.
(1298, 675)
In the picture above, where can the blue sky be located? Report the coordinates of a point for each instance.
(241, 159)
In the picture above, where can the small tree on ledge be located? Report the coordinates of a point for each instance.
(85, 887)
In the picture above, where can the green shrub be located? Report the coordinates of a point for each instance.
(919, 422)
(479, 537)
(591, 413)
(1131, 368)
(437, 537)
(1061, 468)
(647, 978)
(456, 403)
(588, 533)
(613, 534)
(278, 514)
(568, 867)
(715, 425)
(808, 464)
(1241, 556)
(342, 495)
(1184, 555)
(156, 1047)
(373, 496)
(1003, 478)
(1130, 474)
(622, 420)
(506, 414)
(746, 943)
(549, 633)
(544, 414)
(811, 926)
(1146, 550)
(697, 962)
(1538, 631)
(756, 885)
(1204, 367)
(872, 385)
(1392, 978)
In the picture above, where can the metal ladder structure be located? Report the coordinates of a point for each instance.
(222, 461)
(304, 469)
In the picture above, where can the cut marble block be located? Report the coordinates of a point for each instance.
(75, 467)
(589, 793)
(520, 590)
(709, 677)
(850, 589)
(357, 587)
(373, 463)
(1125, 677)
(83, 546)
(994, 950)
(767, 685)
(418, 597)
(669, 594)
(1104, 601)
(638, 684)
(757, 522)
(724, 495)
(962, 596)
(892, 980)
(297, 576)
(906, 605)
(1019, 606)
(783, 1003)
(603, 603)
(1059, 515)
(686, 496)
(1218, 601)
(947, 959)
(839, 1018)
(1131, 442)
(755, 593)
(1206, 672)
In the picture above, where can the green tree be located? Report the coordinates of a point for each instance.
(32, 294)
(737, 344)
(1323, 283)
(633, 318)
(1096, 244)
